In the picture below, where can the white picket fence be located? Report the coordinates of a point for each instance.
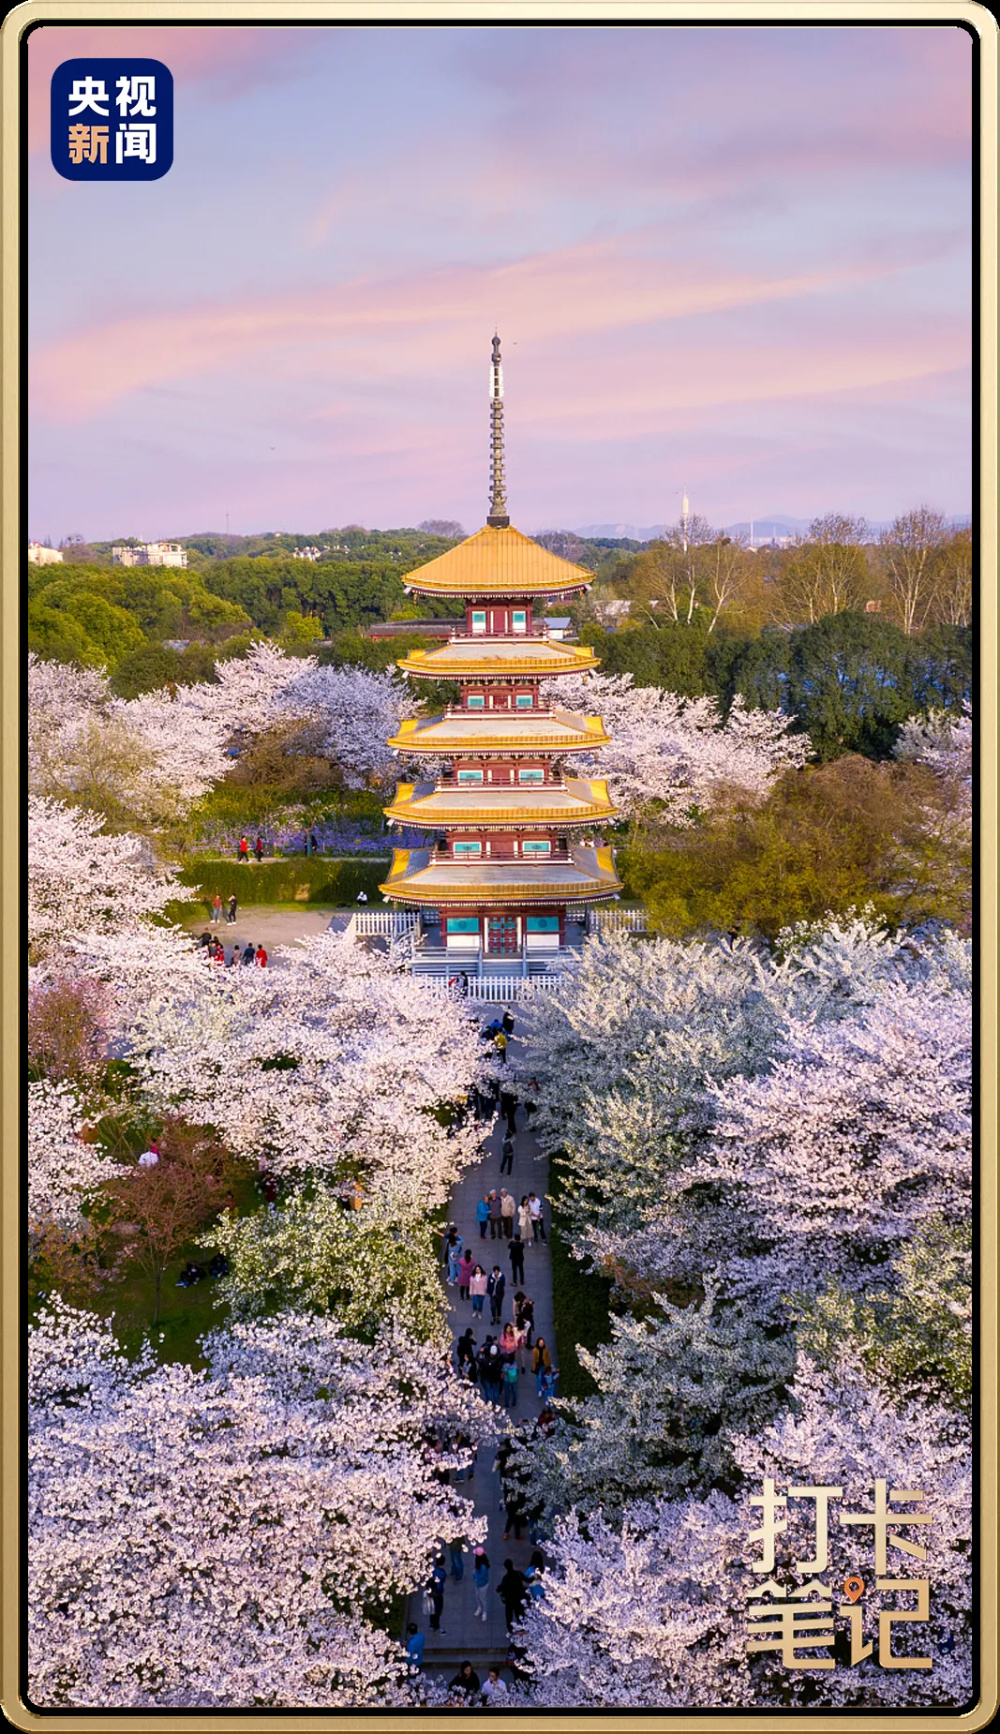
(617, 921)
(495, 988)
(393, 922)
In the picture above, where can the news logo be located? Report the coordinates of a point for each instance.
(112, 120)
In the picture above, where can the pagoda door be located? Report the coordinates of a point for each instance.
(501, 935)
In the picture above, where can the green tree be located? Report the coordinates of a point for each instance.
(58, 638)
(828, 838)
(849, 684)
(110, 628)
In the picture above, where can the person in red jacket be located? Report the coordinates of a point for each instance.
(260, 957)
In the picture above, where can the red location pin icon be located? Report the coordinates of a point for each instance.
(853, 1588)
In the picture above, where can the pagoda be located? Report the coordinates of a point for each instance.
(512, 839)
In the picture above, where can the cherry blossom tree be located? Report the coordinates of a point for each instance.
(357, 709)
(642, 1613)
(81, 879)
(944, 742)
(63, 1167)
(331, 1064)
(217, 1538)
(671, 1388)
(143, 761)
(360, 710)
(677, 752)
(650, 1609)
(367, 1267)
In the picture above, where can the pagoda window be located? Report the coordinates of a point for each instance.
(465, 924)
(528, 776)
(475, 701)
(519, 620)
(535, 847)
(470, 848)
(541, 924)
(470, 776)
(525, 701)
(479, 620)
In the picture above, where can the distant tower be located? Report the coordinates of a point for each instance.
(684, 519)
(498, 519)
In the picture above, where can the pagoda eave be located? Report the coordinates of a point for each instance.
(416, 877)
(449, 664)
(497, 807)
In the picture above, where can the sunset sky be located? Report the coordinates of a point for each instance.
(735, 259)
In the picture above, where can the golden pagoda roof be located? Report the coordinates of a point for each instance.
(420, 876)
(464, 658)
(497, 562)
(581, 801)
(460, 732)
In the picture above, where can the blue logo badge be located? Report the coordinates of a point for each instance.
(112, 120)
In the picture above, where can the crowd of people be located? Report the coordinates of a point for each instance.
(510, 1353)
(245, 955)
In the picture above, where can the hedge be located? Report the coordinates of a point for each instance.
(581, 1304)
(295, 879)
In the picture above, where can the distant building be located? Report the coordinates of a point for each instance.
(558, 626)
(308, 553)
(149, 554)
(426, 628)
(40, 555)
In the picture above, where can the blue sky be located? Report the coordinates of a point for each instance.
(731, 258)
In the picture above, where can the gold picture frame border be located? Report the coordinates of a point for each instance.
(977, 19)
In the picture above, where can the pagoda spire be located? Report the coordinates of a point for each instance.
(498, 518)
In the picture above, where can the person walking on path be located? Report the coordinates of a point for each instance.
(500, 1043)
(249, 953)
(244, 849)
(483, 1215)
(258, 849)
(435, 1593)
(260, 957)
(496, 1226)
(415, 1641)
(508, 1109)
(450, 1240)
(455, 1549)
(507, 1156)
(465, 1270)
(521, 1351)
(512, 1592)
(515, 1252)
(507, 1209)
(231, 911)
(524, 1315)
(524, 1220)
(495, 1286)
(481, 1580)
(217, 907)
(537, 1221)
(477, 1289)
(541, 1362)
(454, 1262)
(509, 1384)
(507, 1021)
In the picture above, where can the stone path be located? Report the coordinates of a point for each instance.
(462, 1635)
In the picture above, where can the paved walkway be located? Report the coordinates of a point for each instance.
(462, 1635)
(270, 927)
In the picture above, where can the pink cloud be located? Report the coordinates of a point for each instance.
(236, 57)
(403, 329)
